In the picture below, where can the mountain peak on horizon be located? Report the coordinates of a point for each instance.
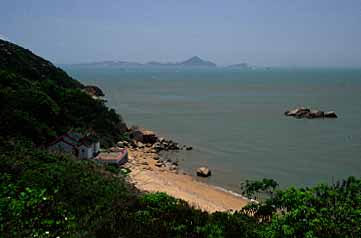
(195, 58)
(194, 61)
(197, 61)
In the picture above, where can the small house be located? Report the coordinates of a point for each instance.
(83, 147)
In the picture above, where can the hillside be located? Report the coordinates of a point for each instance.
(45, 102)
(23, 62)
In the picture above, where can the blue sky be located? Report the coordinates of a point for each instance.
(260, 32)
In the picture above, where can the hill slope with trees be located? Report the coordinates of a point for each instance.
(42, 101)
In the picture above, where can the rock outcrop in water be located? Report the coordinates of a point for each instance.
(303, 112)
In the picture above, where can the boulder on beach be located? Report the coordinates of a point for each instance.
(143, 135)
(141, 138)
(203, 172)
(149, 137)
(140, 144)
(159, 163)
(136, 135)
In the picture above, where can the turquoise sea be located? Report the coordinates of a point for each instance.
(235, 122)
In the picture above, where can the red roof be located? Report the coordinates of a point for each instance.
(82, 141)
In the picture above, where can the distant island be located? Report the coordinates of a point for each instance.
(240, 66)
(193, 62)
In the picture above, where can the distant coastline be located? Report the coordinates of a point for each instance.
(193, 62)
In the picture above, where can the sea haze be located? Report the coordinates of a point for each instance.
(234, 119)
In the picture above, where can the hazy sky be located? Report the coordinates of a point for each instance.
(260, 32)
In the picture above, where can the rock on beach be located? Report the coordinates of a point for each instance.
(204, 172)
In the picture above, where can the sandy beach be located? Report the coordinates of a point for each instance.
(147, 176)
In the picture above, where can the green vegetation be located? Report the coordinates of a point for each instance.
(320, 211)
(45, 195)
(43, 101)
(48, 195)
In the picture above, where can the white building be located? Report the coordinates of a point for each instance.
(83, 147)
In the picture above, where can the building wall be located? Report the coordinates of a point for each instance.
(124, 159)
(96, 147)
(85, 152)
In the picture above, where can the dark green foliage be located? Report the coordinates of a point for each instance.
(117, 170)
(96, 203)
(159, 215)
(25, 108)
(81, 111)
(27, 212)
(81, 190)
(237, 224)
(265, 186)
(41, 110)
(39, 101)
(125, 137)
(320, 211)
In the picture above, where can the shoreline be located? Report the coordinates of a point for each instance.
(147, 176)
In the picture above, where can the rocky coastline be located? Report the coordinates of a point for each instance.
(150, 172)
(147, 142)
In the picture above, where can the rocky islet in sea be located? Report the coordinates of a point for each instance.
(303, 112)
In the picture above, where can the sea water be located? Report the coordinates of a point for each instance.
(235, 119)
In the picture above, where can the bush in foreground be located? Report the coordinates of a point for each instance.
(319, 211)
(46, 195)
